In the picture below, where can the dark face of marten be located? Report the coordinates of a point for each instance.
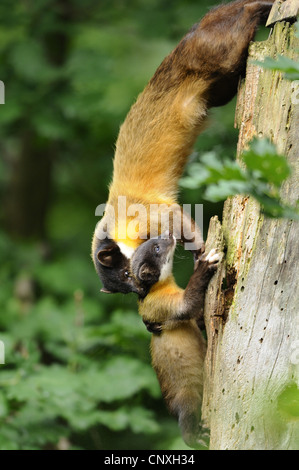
(113, 268)
(152, 261)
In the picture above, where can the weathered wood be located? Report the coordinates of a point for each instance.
(251, 309)
(283, 10)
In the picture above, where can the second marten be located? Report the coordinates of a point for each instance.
(160, 130)
(170, 313)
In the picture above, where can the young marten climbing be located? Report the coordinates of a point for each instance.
(160, 130)
(170, 313)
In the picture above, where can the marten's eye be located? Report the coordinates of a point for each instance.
(127, 275)
(156, 248)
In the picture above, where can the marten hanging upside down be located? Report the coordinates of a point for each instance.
(160, 130)
(151, 151)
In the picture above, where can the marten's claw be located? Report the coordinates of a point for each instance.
(213, 257)
(211, 260)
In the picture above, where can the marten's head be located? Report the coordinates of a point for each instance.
(113, 268)
(112, 259)
(131, 267)
(152, 262)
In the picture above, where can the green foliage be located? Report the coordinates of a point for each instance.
(288, 402)
(66, 370)
(284, 64)
(261, 177)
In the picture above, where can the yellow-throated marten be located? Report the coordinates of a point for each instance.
(159, 131)
(170, 313)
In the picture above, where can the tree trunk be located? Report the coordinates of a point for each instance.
(251, 304)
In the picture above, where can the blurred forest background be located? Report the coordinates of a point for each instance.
(77, 371)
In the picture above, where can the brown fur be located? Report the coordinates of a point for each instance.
(178, 359)
(161, 127)
(151, 151)
(177, 345)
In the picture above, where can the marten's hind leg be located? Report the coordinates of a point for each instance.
(213, 54)
(232, 35)
(193, 434)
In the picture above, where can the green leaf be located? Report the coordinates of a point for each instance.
(282, 64)
(212, 170)
(121, 378)
(198, 174)
(288, 402)
(264, 173)
(263, 159)
(223, 189)
(273, 206)
(140, 420)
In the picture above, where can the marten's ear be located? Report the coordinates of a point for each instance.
(109, 256)
(148, 273)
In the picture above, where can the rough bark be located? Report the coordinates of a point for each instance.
(251, 305)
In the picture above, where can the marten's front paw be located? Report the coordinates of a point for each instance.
(205, 267)
(212, 258)
(207, 264)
